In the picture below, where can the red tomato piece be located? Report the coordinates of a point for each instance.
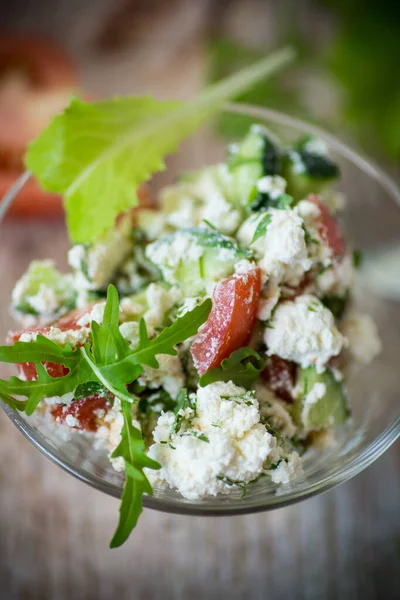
(66, 323)
(330, 230)
(279, 375)
(84, 411)
(231, 321)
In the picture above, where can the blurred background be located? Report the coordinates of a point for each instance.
(53, 530)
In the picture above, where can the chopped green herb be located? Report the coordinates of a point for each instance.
(262, 227)
(231, 482)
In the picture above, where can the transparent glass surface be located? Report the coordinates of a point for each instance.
(371, 219)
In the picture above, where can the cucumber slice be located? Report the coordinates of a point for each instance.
(308, 169)
(326, 411)
(193, 258)
(256, 156)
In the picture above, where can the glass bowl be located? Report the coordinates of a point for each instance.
(371, 219)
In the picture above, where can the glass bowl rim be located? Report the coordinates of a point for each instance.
(341, 474)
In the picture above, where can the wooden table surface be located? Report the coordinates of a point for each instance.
(54, 530)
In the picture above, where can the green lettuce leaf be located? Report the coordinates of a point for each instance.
(98, 154)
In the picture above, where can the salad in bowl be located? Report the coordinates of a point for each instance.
(203, 340)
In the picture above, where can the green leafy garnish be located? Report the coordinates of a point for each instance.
(96, 155)
(132, 449)
(262, 227)
(242, 367)
(108, 363)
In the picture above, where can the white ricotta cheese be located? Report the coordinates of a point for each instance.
(190, 203)
(168, 256)
(169, 375)
(99, 261)
(304, 331)
(96, 314)
(269, 299)
(287, 470)
(338, 279)
(75, 337)
(316, 146)
(160, 301)
(273, 185)
(363, 337)
(318, 250)
(234, 447)
(281, 251)
(275, 411)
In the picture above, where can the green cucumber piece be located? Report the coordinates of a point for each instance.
(256, 156)
(217, 256)
(332, 409)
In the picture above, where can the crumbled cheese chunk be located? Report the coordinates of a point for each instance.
(287, 470)
(72, 421)
(65, 399)
(298, 166)
(363, 337)
(189, 203)
(234, 447)
(269, 299)
(98, 262)
(44, 291)
(304, 331)
(316, 146)
(275, 411)
(46, 301)
(169, 375)
(273, 185)
(281, 251)
(96, 314)
(75, 337)
(181, 248)
(338, 279)
(318, 250)
(160, 301)
(130, 332)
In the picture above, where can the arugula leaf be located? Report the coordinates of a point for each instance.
(21, 352)
(105, 363)
(108, 361)
(132, 449)
(183, 328)
(98, 154)
(242, 367)
(10, 401)
(44, 386)
(261, 227)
